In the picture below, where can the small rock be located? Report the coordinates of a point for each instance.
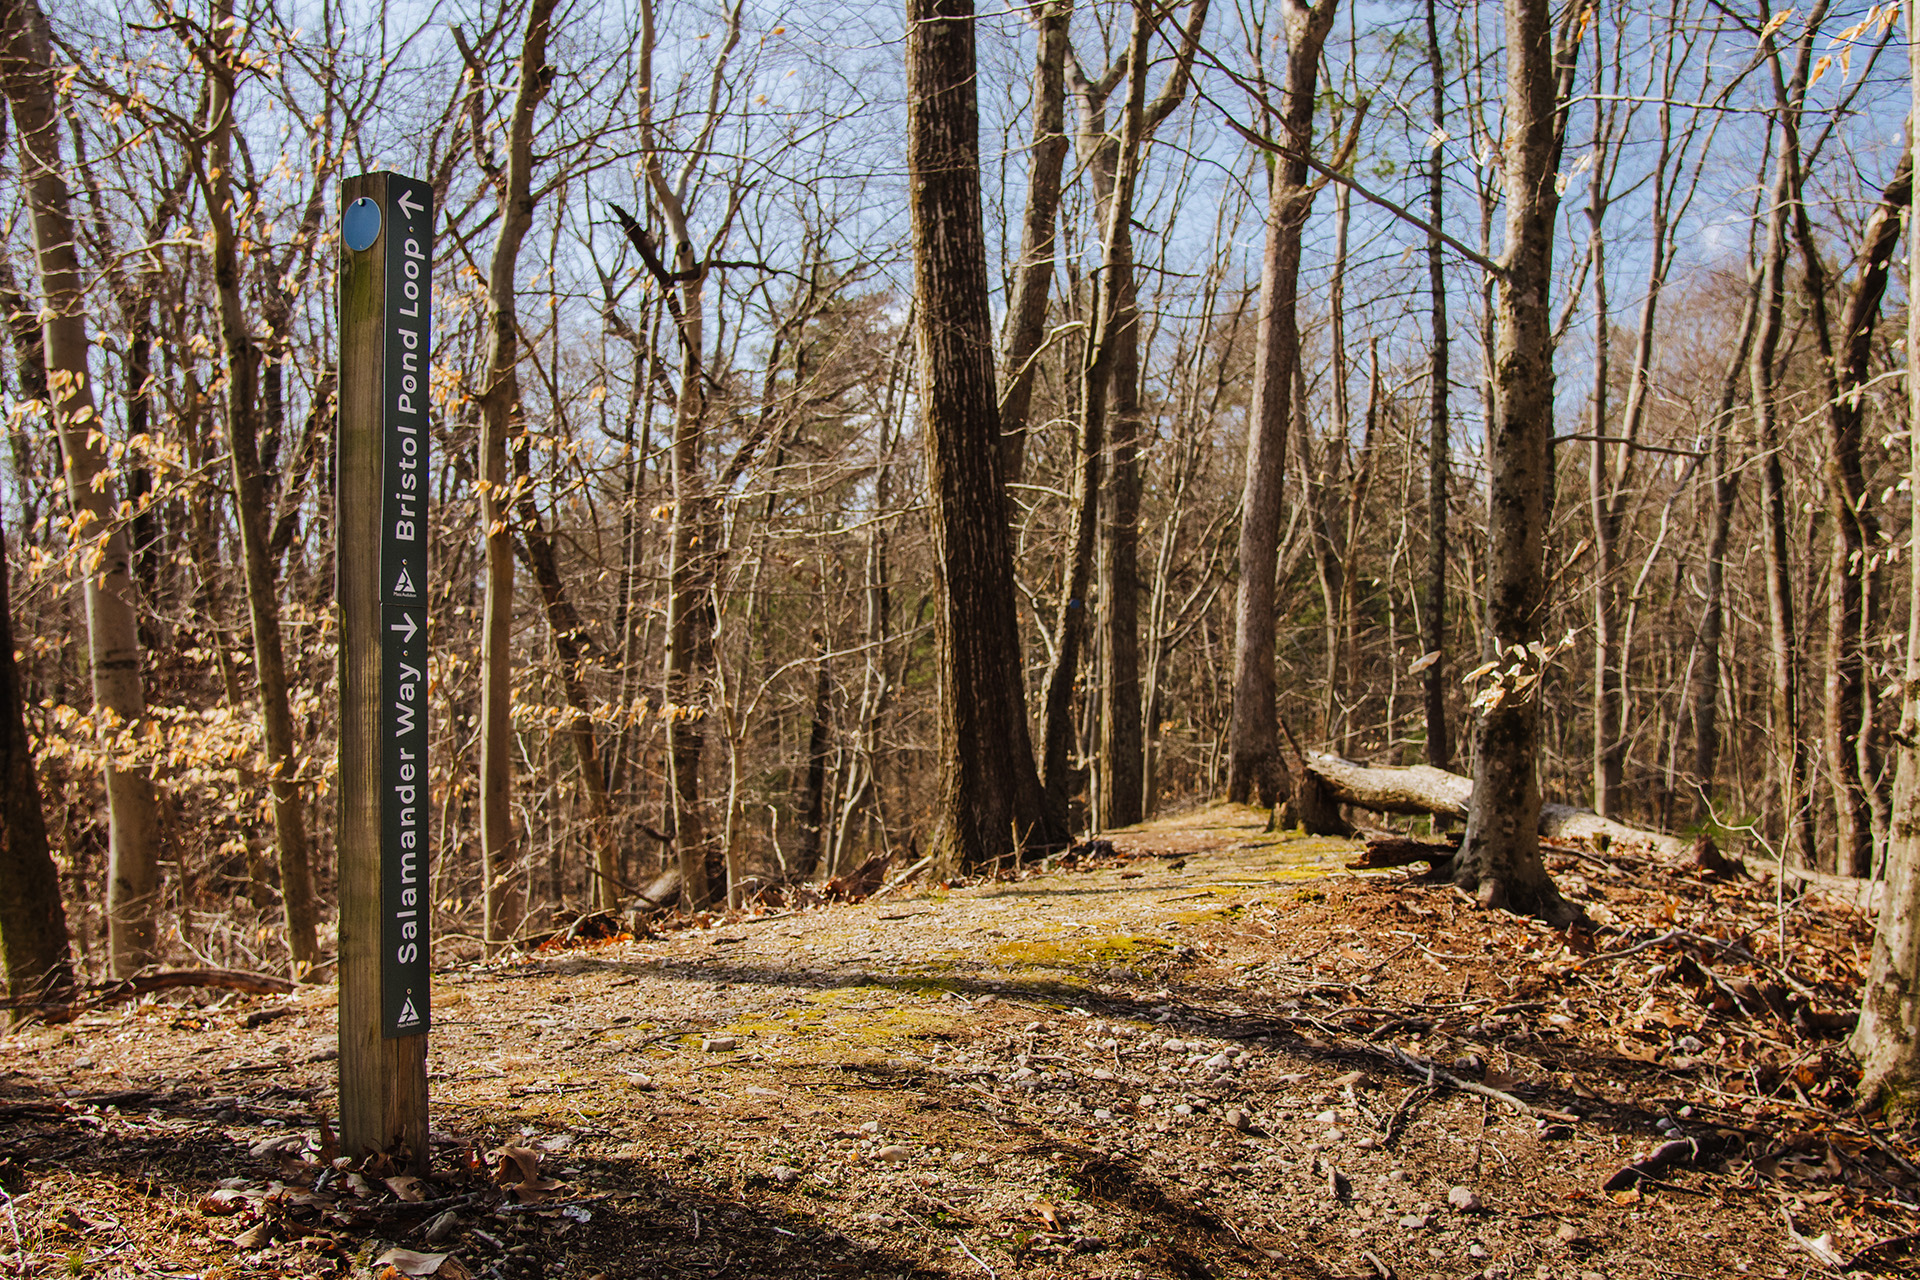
(1367, 1143)
(1336, 1134)
(1326, 1117)
(1414, 1221)
(1218, 1062)
(1476, 1250)
(1465, 1200)
(1101, 1113)
(1239, 1120)
(785, 1175)
(719, 1044)
(871, 1126)
(1182, 1109)
(894, 1154)
(1566, 1233)
(442, 1227)
(1396, 1175)
(1101, 1073)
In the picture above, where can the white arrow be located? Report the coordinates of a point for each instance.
(407, 203)
(408, 632)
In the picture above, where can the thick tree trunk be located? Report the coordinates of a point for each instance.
(1255, 767)
(1500, 856)
(33, 924)
(500, 423)
(300, 908)
(133, 828)
(989, 802)
(1887, 1037)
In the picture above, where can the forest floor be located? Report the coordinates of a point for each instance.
(1207, 1051)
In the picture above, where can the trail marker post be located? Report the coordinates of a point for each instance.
(380, 568)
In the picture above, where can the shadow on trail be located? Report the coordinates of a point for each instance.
(1185, 1009)
(637, 1222)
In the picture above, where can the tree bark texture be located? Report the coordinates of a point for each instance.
(1789, 744)
(989, 803)
(133, 828)
(1256, 770)
(1500, 856)
(1848, 714)
(33, 924)
(1886, 1039)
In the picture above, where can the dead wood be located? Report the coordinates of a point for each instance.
(1424, 789)
(1679, 1151)
(253, 984)
(860, 882)
(661, 893)
(1391, 849)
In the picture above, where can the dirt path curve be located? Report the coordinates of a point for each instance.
(1152, 1065)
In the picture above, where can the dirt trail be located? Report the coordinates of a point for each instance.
(1177, 1060)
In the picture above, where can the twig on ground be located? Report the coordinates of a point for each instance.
(976, 1257)
(1433, 1073)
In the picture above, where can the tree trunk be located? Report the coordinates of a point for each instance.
(989, 802)
(1255, 767)
(1789, 744)
(1849, 701)
(1439, 446)
(1026, 321)
(810, 805)
(1121, 750)
(251, 503)
(133, 829)
(33, 924)
(1500, 856)
(1724, 489)
(1887, 1037)
(500, 425)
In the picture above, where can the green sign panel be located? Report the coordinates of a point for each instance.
(400, 227)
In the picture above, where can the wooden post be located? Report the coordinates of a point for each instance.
(380, 585)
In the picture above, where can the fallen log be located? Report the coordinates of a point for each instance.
(1391, 849)
(1424, 789)
(253, 984)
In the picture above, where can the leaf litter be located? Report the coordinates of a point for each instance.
(1195, 1049)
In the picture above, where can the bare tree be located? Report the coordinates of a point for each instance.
(989, 802)
(133, 869)
(500, 423)
(1255, 768)
(1499, 859)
